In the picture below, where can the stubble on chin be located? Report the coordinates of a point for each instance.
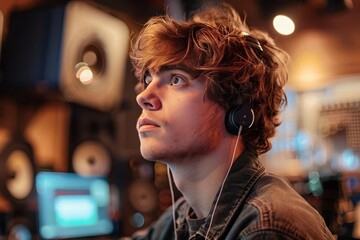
(146, 154)
(179, 152)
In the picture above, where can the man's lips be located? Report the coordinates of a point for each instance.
(146, 124)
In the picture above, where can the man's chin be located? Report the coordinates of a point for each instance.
(149, 155)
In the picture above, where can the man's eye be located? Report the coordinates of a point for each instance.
(176, 80)
(147, 80)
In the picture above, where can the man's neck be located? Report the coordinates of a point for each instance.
(200, 178)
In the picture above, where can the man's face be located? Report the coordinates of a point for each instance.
(177, 120)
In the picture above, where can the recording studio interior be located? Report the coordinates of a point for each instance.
(70, 165)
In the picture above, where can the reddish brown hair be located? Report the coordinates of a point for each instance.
(214, 44)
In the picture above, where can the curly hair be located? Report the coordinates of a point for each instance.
(215, 44)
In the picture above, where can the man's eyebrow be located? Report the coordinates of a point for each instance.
(184, 68)
(165, 68)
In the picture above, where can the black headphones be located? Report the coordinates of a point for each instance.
(237, 116)
(243, 115)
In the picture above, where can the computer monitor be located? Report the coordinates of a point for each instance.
(71, 206)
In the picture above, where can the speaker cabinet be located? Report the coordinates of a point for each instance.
(17, 178)
(74, 48)
(17, 172)
(91, 141)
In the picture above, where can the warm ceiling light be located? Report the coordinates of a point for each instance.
(283, 25)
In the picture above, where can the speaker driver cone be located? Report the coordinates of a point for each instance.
(17, 171)
(91, 158)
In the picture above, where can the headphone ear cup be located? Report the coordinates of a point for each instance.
(239, 116)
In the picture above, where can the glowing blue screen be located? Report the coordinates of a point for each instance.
(77, 210)
(71, 206)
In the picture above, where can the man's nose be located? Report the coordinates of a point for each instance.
(149, 99)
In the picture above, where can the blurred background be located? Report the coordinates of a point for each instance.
(68, 142)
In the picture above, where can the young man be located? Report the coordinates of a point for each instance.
(211, 91)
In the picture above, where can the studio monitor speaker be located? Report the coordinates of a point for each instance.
(74, 48)
(17, 177)
(91, 142)
(17, 172)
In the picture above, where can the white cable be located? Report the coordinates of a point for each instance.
(172, 200)
(223, 183)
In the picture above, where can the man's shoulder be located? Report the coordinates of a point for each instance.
(273, 205)
(274, 194)
(274, 187)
